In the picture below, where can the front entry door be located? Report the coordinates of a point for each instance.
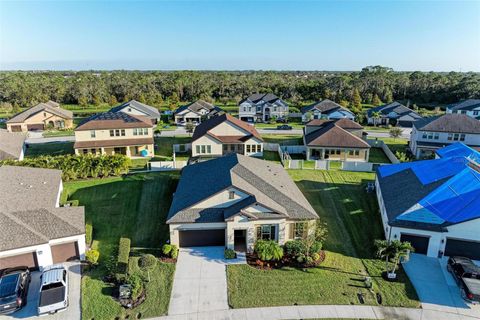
(240, 240)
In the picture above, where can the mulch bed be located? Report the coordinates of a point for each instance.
(254, 261)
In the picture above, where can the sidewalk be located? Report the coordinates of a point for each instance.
(319, 312)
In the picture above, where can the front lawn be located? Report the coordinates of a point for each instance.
(134, 206)
(49, 149)
(353, 223)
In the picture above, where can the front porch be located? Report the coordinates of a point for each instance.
(338, 154)
(129, 151)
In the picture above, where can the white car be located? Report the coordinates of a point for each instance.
(53, 290)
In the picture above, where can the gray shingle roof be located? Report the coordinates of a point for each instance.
(196, 106)
(469, 104)
(256, 97)
(450, 122)
(324, 106)
(150, 111)
(396, 107)
(265, 182)
(11, 144)
(49, 106)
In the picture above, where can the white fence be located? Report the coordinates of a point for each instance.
(357, 166)
(380, 144)
(294, 149)
(166, 165)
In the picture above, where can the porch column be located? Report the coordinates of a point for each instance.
(102, 150)
(367, 155)
(322, 154)
(127, 152)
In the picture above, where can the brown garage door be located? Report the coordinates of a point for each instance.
(202, 238)
(16, 128)
(64, 252)
(38, 126)
(26, 259)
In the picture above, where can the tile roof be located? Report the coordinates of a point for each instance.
(112, 143)
(115, 120)
(11, 144)
(333, 133)
(150, 111)
(450, 122)
(265, 183)
(204, 127)
(49, 106)
(469, 104)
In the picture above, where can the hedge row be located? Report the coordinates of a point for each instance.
(123, 256)
(78, 167)
(88, 233)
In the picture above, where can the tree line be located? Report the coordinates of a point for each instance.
(371, 85)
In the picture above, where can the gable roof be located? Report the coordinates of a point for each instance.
(435, 193)
(114, 120)
(146, 109)
(324, 106)
(264, 182)
(396, 107)
(204, 127)
(49, 106)
(333, 133)
(467, 105)
(196, 106)
(257, 97)
(450, 122)
(11, 144)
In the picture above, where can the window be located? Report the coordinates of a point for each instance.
(197, 149)
(424, 136)
(475, 113)
(464, 112)
(357, 152)
(248, 148)
(92, 134)
(244, 109)
(135, 132)
(450, 137)
(85, 151)
(462, 137)
(94, 151)
(123, 132)
(117, 132)
(266, 232)
(337, 151)
(112, 133)
(299, 230)
(225, 147)
(145, 131)
(259, 148)
(456, 136)
(137, 150)
(350, 152)
(203, 149)
(209, 149)
(231, 195)
(436, 136)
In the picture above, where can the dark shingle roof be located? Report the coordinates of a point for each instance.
(450, 122)
(150, 111)
(256, 97)
(333, 133)
(49, 106)
(196, 106)
(396, 107)
(114, 120)
(265, 183)
(11, 144)
(204, 127)
(324, 106)
(469, 104)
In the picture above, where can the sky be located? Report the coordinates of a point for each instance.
(240, 35)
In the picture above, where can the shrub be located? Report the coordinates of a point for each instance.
(123, 256)
(316, 247)
(92, 256)
(88, 233)
(72, 203)
(166, 249)
(174, 252)
(301, 258)
(230, 254)
(147, 261)
(268, 250)
(315, 256)
(137, 285)
(294, 248)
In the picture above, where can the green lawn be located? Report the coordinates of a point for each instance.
(271, 156)
(49, 148)
(284, 139)
(134, 206)
(378, 156)
(374, 128)
(58, 133)
(353, 223)
(164, 147)
(398, 144)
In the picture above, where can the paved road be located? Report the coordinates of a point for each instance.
(72, 312)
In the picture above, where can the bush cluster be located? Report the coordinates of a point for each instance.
(230, 254)
(170, 250)
(78, 167)
(296, 249)
(92, 256)
(122, 258)
(268, 250)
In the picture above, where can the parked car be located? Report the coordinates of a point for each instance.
(53, 290)
(284, 127)
(14, 283)
(467, 275)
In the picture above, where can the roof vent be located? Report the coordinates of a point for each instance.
(30, 186)
(44, 182)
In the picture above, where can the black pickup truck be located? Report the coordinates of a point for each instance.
(14, 285)
(467, 275)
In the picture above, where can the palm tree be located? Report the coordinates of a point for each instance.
(393, 251)
(376, 115)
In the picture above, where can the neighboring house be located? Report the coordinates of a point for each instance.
(224, 134)
(433, 204)
(12, 145)
(139, 109)
(34, 230)
(470, 107)
(430, 134)
(115, 133)
(340, 139)
(262, 107)
(40, 117)
(235, 200)
(196, 112)
(393, 113)
(326, 109)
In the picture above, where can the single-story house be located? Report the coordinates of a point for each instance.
(325, 109)
(196, 112)
(235, 200)
(340, 139)
(469, 107)
(12, 145)
(393, 113)
(433, 204)
(139, 109)
(224, 134)
(34, 230)
(40, 117)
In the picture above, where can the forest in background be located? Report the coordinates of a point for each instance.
(372, 85)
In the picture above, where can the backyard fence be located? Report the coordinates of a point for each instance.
(380, 144)
(166, 165)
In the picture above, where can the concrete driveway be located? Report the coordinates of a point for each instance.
(436, 287)
(200, 282)
(74, 308)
